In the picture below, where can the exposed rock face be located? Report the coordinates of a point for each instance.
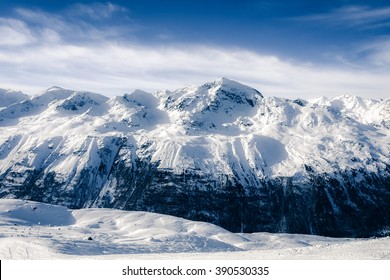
(220, 153)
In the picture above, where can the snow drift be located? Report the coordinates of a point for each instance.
(31, 230)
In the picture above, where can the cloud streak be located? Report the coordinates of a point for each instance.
(97, 11)
(377, 52)
(14, 32)
(46, 50)
(361, 17)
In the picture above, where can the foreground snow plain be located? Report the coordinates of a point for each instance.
(32, 230)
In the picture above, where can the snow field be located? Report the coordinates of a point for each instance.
(32, 230)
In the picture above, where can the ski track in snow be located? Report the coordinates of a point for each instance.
(32, 230)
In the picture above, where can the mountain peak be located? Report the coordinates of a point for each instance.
(8, 97)
(232, 86)
(81, 99)
(52, 94)
(54, 88)
(212, 104)
(226, 90)
(142, 98)
(227, 82)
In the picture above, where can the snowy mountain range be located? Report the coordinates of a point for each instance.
(220, 152)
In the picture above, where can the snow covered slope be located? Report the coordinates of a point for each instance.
(31, 230)
(219, 152)
(8, 97)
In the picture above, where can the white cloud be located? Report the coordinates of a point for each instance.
(377, 52)
(113, 67)
(73, 26)
(14, 32)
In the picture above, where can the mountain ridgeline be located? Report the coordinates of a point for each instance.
(220, 152)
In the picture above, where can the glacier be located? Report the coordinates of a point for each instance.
(220, 152)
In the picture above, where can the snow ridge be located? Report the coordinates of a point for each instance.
(8, 97)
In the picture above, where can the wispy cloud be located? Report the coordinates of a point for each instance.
(14, 32)
(363, 17)
(49, 49)
(97, 10)
(377, 53)
(73, 25)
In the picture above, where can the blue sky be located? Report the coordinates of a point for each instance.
(283, 48)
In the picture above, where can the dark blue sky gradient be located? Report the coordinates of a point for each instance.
(270, 27)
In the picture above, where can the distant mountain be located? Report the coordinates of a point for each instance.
(220, 152)
(8, 97)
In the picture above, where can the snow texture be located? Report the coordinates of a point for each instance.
(31, 230)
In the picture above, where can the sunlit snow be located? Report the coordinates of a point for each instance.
(31, 230)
